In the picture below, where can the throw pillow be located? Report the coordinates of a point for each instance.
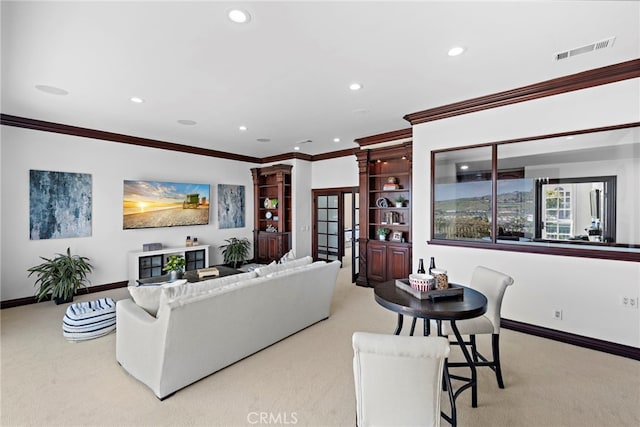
(289, 256)
(148, 296)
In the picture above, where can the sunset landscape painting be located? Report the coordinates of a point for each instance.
(150, 204)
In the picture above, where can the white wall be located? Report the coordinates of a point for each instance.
(587, 290)
(109, 164)
(340, 172)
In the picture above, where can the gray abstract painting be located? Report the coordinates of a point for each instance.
(59, 205)
(230, 206)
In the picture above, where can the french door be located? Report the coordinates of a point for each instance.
(335, 227)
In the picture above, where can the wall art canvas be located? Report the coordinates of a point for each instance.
(59, 205)
(150, 204)
(231, 206)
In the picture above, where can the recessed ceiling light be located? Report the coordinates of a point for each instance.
(239, 16)
(263, 139)
(296, 148)
(456, 50)
(242, 128)
(136, 99)
(569, 137)
(355, 86)
(464, 167)
(52, 90)
(336, 139)
(187, 122)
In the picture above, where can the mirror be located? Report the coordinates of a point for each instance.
(555, 191)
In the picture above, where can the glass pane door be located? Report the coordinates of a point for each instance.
(327, 215)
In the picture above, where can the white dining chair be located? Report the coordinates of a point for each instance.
(493, 285)
(398, 379)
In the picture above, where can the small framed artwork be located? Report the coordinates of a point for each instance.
(396, 236)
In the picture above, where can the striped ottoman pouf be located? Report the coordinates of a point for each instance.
(88, 320)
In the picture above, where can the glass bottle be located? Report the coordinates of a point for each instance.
(432, 264)
(188, 241)
(421, 266)
(195, 241)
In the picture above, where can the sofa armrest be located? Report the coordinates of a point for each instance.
(140, 343)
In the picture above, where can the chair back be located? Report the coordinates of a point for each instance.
(398, 379)
(492, 284)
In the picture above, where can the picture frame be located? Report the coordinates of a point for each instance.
(396, 236)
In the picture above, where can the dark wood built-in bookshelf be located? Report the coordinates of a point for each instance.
(272, 224)
(385, 175)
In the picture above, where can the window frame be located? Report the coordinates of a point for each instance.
(621, 254)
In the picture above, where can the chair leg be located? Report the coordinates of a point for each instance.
(474, 349)
(495, 344)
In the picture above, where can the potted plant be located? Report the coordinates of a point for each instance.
(382, 233)
(175, 266)
(60, 277)
(399, 201)
(236, 251)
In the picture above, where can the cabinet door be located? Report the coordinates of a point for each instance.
(273, 247)
(194, 259)
(377, 262)
(149, 266)
(398, 262)
(263, 247)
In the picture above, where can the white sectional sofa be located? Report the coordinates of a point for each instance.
(203, 327)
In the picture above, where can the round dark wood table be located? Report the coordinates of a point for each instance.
(467, 306)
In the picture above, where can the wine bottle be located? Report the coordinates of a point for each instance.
(432, 264)
(421, 266)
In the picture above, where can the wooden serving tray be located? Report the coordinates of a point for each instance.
(434, 294)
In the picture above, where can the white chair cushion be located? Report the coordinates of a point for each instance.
(148, 296)
(477, 325)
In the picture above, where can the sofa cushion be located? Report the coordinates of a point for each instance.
(197, 288)
(148, 296)
(296, 269)
(269, 269)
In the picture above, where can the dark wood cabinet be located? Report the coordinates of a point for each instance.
(273, 214)
(385, 179)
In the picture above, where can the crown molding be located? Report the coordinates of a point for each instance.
(395, 135)
(586, 79)
(41, 125)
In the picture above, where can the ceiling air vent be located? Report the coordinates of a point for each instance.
(585, 49)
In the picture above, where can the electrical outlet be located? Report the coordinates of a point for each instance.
(557, 314)
(629, 302)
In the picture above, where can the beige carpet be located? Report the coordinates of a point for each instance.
(303, 380)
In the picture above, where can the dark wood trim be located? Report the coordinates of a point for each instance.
(586, 79)
(538, 137)
(286, 156)
(573, 339)
(90, 290)
(41, 125)
(334, 154)
(540, 248)
(385, 137)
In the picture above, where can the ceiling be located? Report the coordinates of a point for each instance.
(285, 75)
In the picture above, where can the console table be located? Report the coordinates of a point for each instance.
(149, 264)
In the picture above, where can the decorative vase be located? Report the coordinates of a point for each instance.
(382, 236)
(398, 204)
(174, 275)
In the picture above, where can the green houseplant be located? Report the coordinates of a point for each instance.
(236, 251)
(175, 266)
(382, 233)
(61, 276)
(399, 201)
